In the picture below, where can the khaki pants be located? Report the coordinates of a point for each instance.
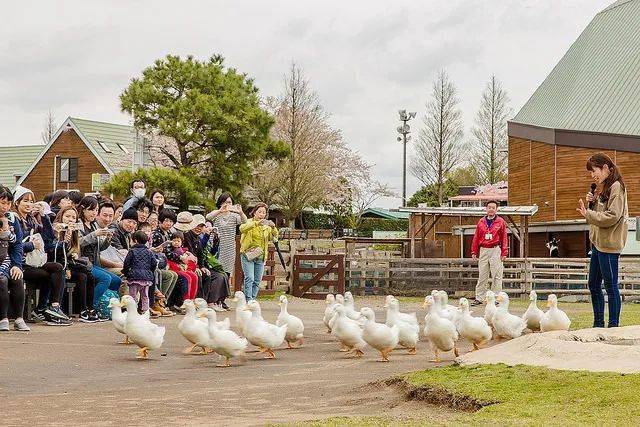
(489, 262)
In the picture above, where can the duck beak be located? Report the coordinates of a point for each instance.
(235, 299)
(548, 304)
(424, 304)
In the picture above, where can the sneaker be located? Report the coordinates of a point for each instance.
(102, 318)
(20, 325)
(475, 302)
(225, 306)
(55, 321)
(154, 313)
(37, 316)
(85, 317)
(93, 316)
(56, 311)
(4, 325)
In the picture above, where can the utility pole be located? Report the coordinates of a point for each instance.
(404, 130)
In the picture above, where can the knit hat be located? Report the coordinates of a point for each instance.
(130, 213)
(198, 220)
(20, 191)
(184, 222)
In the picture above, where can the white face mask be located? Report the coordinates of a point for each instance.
(139, 192)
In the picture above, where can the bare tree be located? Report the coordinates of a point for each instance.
(440, 147)
(490, 133)
(319, 157)
(49, 128)
(365, 193)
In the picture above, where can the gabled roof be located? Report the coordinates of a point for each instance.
(113, 145)
(14, 161)
(384, 213)
(595, 87)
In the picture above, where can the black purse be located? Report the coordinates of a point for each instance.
(82, 264)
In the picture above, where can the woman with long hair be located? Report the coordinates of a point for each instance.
(606, 216)
(49, 276)
(157, 198)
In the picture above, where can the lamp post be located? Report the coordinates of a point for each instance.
(404, 130)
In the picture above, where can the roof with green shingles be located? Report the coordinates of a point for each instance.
(596, 86)
(112, 136)
(385, 213)
(15, 161)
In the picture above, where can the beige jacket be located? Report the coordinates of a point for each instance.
(607, 223)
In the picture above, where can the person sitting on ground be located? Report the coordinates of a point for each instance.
(138, 190)
(67, 252)
(59, 200)
(138, 269)
(182, 262)
(48, 278)
(11, 284)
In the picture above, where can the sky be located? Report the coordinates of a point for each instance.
(366, 60)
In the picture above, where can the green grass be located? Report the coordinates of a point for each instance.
(272, 297)
(532, 395)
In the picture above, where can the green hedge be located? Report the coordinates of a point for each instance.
(317, 221)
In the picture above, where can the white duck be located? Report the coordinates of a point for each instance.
(348, 332)
(474, 329)
(533, 315)
(330, 301)
(242, 315)
(440, 332)
(408, 333)
(490, 308)
(223, 341)
(192, 329)
(143, 333)
(410, 318)
(201, 305)
(378, 335)
(295, 327)
(506, 324)
(554, 319)
(118, 318)
(262, 334)
(351, 311)
(339, 301)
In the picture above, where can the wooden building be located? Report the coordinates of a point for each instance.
(587, 104)
(82, 154)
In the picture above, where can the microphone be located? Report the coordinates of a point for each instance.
(593, 191)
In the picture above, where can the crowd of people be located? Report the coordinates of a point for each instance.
(106, 249)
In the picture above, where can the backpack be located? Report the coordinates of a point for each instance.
(102, 308)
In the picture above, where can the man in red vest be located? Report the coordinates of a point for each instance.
(490, 247)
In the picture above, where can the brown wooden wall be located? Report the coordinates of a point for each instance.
(68, 145)
(554, 177)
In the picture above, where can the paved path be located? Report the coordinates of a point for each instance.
(79, 375)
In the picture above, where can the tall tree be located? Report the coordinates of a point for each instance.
(318, 158)
(49, 128)
(204, 116)
(440, 146)
(490, 133)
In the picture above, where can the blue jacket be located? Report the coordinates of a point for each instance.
(15, 251)
(140, 264)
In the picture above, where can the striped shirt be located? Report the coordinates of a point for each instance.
(227, 224)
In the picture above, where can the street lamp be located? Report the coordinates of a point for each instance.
(404, 130)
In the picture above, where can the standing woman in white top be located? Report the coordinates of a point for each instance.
(226, 219)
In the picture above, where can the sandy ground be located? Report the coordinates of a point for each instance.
(596, 349)
(79, 375)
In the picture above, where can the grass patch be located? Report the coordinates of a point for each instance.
(533, 395)
(272, 297)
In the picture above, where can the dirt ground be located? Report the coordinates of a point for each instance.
(79, 375)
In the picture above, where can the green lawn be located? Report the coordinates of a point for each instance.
(520, 395)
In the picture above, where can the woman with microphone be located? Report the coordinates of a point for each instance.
(606, 216)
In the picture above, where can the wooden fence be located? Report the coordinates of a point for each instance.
(418, 276)
(316, 275)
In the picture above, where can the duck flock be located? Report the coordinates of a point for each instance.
(354, 330)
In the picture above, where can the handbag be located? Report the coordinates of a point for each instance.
(37, 257)
(82, 264)
(253, 253)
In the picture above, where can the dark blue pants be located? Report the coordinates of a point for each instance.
(604, 266)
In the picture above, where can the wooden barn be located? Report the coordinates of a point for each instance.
(81, 151)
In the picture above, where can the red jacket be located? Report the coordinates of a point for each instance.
(498, 231)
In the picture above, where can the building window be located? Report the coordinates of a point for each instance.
(104, 146)
(68, 170)
(123, 148)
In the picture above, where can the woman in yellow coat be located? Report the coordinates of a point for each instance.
(256, 233)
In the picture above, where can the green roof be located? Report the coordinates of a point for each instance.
(15, 161)
(114, 144)
(595, 86)
(385, 213)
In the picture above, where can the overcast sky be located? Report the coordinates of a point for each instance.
(365, 59)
